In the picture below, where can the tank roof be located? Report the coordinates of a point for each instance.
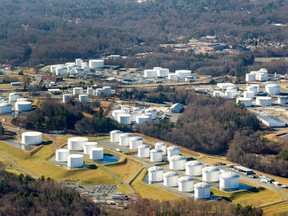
(211, 169)
(202, 185)
(177, 158)
(185, 179)
(229, 175)
(90, 143)
(78, 139)
(170, 174)
(193, 163)
(32, 133)
(172, 147)
(75, 156)
(155, 169)
(143, 146)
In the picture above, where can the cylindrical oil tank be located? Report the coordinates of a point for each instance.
(124, 139)
(177, 162)
(136, 141)
(90, 91)
(202, 190)
(79, 62)
(149, 73)
(173, 77)
(161, 146)
(282, 100)
(144, 151)
(83, 98)
(210, 174)
(248, 94)
(5, 108)
(263, 101)
(126, 110)
(142, 118)
(114, 135)
(62, 154)
(183, 73)
(96, 63)
(172, 151)
(77, 90)
(124, 119)
(185, 184)
(156, 155)
(96, 153)
(31, 138)
(229, 181)
(170, 179)
(254, 88)
(88, 146)
(193, 168)
(262, 77)
(66, 97)
(76, 143)
(153, 113)
(107, 90)
(230, 94)
(116, 113)
(155, 174)
(247, 102)
(22, 99)
(13, 97)
(23, 106)
(75, 160)
(272, 88)
(161, 72)
(216, 93)
(250, 77)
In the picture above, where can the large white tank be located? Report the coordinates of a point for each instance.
(96, 63)
(248, 94)
(136, 141)
(183, 73)
(31, 138)
(263, 70)
(75, 161)
(173, 77)
(90, 91)
(5, 108)
(216, 93)
(142, 118)
(13, 96)
(156, 155)
(83, 98)
(149, 73)
(230, 93)
(125, 109)
(185, 184)
(96, 153)
(247, 102)
(282, 100)
(155, 174)
(21, 99)
(170, 179)
(153, 113)
(229, 181)
(193, 168)
(210, 174)
(87, 146)
(66, 97)
(254, 88)
(263, 101)
(116, 113)
(61, 71)
(250, 77)
(79, 62)
(272, 88)
(62, 154)
(114, 135)
(161, 72)
(107, 90)
(161, 146)
(202, 190)
(172, 151)
(77, 90)
(124, 139)
(177, 162)
(124, 119)
(76, 143)
(144, 151)
(262, 77)
(23, 106)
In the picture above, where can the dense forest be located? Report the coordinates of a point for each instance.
(51, 31)
(218, 126)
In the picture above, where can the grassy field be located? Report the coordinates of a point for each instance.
(150, 191)
(276, 209)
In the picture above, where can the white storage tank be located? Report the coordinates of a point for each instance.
(77, 90)
(62, 155)
(142, 118)
(21, 99)
(247, 102)
(272, 89)
(96, 63)
(23, 106)
(229, 181)
(172, 151)
(79, 62)
(262, 77)
(210, 174)
(144, 151)
(66, 97)
(161, 72)
(96, 153)
(61, 71)
(116, 113)
(248, 94)
(107, 90)
(193, 168)
(5, 108)
(149, 73)
(263, 101)
(125, 109)
(83, 98)
(153, 113)
(136, 141)
(124, 119)
(155, 174)
(185, 184)
(216, 93)
(183, 73)
(88, 146)
(173, 77)
(114, 135)
(282, 100)
(75, 161)
(161, 146)
(250, 77)
(230, 94)
(13, 96)
(124, 139)
(90, 91)
(202, 190)
(156, 155)
(177, 162)
(254, 88)
(31, 138)
(170, 179)
(76, 143)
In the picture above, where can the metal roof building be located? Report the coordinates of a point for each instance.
(176, 108)
(245, 170)
(270, 120)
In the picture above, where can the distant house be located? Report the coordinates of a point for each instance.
(176, 108)
(245, 170)
(266, 179)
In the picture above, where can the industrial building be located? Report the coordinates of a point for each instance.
(176, 108)
(270, 120)
(244, 170)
